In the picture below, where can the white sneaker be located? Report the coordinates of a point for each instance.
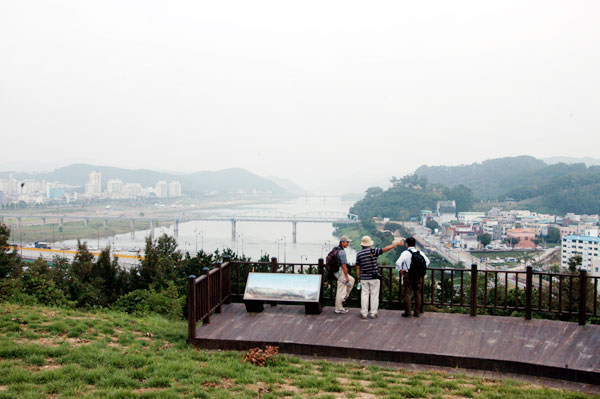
(341, 311)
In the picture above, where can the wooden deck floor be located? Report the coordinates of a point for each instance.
(545, 348)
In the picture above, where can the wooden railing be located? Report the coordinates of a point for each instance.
(207, 294)
(496, 291)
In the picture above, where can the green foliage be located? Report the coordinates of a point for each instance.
(489, 179)
(407, 197)
(167, 302)
(485, 239)
(432, 224)
(10, 263)
(574, 263)
(37, 283)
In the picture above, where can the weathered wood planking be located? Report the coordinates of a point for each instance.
(534, 347)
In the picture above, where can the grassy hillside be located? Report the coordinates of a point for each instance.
(57, 353)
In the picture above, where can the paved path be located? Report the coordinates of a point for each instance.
(545, 348)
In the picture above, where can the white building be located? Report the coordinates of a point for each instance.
(133, 190)
(94, 186)
(470, 217)
(162, 189)
(445, 212)
(174, 189)
(587, 247)
(115, 188)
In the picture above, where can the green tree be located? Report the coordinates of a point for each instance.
(432, 224)
(160, 264)
(10, 262)
(553, 235)
(574, 262)
(484, 239)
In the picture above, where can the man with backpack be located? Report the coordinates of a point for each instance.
(337, 264)
(412, 264)
(368, 275)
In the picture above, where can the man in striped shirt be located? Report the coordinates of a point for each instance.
(367, 274)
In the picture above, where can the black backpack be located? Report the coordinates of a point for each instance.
(332, 262)
(418, 266)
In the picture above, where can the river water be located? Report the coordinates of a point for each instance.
(253, 239)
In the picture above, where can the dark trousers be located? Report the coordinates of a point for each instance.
(411, 286)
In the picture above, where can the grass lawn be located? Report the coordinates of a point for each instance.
(59, 353)
(74, 230)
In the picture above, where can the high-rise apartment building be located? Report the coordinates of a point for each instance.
(114, 188)
(94, 186)
(174, 189)
(162, 189)
(133, 190)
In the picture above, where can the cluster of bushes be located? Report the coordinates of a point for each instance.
(157, 284)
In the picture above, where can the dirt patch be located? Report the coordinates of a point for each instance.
(364, 395)
(39, 341)
(49, 313)
(77, 341)
(290, 388)
(3, 388)
(226, 383)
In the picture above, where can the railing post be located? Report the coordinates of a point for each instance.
(528, 291)
(219, 296)
(582, 295)
(274, 270)
(206, 299)
(320, 269)
(228, 275)
(191, 308)
(473, 290)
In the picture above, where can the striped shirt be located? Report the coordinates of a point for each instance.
(367, 260)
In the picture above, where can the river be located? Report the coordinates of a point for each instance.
(253, 239)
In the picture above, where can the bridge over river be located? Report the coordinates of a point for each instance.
(233, 218)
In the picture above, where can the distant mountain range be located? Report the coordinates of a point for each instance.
(226, 181)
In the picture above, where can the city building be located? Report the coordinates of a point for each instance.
(94, 185)
(470, 217)
(585, 246)
(445, 212)
(174, 189)
(521, 238)
(133, 190)
(162, 189)
(114, 188)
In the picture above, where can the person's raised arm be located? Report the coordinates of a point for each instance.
(392, 246)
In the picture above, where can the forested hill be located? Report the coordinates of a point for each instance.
(407, 197)
(558, 188)
(489, 179)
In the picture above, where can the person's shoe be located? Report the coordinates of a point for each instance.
(405, 314)
(341, 311)
(373, 316)
(362, 316)
(416, 314)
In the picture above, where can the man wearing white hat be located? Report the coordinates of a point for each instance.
(368, 275)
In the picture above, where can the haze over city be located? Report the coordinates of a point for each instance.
(323, 93)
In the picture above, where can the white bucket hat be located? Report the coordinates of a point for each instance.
(366, 242)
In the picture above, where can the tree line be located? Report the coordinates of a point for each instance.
(158, 283)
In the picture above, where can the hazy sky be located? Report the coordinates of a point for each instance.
(305, 90)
